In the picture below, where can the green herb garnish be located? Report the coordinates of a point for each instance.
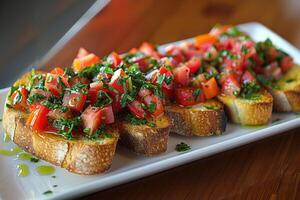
(181, 147)
(34, 160)
(66, 126)
(35, 97)
(47, 192)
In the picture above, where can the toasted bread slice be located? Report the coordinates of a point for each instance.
(287, 96)
(78, 156)
(256, 111)
(144, 139)
(203, 119)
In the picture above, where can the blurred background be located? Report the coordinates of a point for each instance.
(29, 29)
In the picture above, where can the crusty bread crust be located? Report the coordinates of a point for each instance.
(146, 140)
(203, 119)
(249, 112)
(78, 156)
(287, 97)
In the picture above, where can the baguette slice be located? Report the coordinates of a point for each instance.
(78, 156)
(287, 97)
(203, 119)
(146, 140)
(249, 112)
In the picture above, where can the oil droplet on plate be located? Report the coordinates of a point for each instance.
(23, 170)
(24, 156)
(6, 138)
(44, 170)
(12, 151)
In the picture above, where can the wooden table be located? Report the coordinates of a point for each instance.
(268, 169)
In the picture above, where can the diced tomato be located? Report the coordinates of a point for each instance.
(185, 96)
(108, 114)
(114, 80)
(53, 84)
(19, 99)
(116, 105)
(176, 52)
(151, 100)
(181, 75)
(231, 86)
(91, 119)
(286, 63)
(73, 81)
(83, 62)
(37, 119)
(144, 92)
(247, 77)
(96, 85)
(136, 108)
(82, 52)
(271, 54)
(210, 88)
(149, 50)
(58, 71)
(142, 62)
(205, 38)
(273, 70)
(116, 59)
(75, 101)
(194, 64)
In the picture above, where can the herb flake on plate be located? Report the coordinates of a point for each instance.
(182, 147)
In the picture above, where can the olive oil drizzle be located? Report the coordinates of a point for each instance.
(45, 170)
(23, 170)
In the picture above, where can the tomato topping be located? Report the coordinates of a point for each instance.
(116, 59)
(37, 119)
(286, 63)
(231, 86)
(55, 83)
(115, 79)
(91, 119)
(136, 108)
(108, 114)
(205, 38)
(116, 105)
(58, 71)
(83, 62)
(144, 92)
(181, 75)
(75, 101)
(149, 50)
(154, 104)
(82, 52)
(19, 98)
(210, 88)
(218, 30)
(176, 52)
(193, 64)
(188, 96)
(247, 77)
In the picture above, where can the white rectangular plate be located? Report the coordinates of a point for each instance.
(126, 165)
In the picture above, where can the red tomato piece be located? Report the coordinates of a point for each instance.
(231, 86)
(205, 38)
(19, 99)
(247, 77)
(176, 52)
(114, 80)
(210, 88)
(286, 63)
(116, 105)
(37, 119)
(149, 50)
(181, 75)
(53, 84)
(58, 71)
(75, 101)
(194, 64)
(91, 119)
(184, 96)
(144, 92)
(116, 59)
(153, 102)
(108, 114)
(136, 108)
(82, 52)
(86, 61)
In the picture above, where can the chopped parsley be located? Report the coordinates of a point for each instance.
(47, 192)
(290, 80)
(152, 107)
(54, 103)
(250, 90)
(79, 88)
(34, 160)
(181, 147)
(35, 97)
(137, 121)
(196, 93)
(99, 134)
(66, 126)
